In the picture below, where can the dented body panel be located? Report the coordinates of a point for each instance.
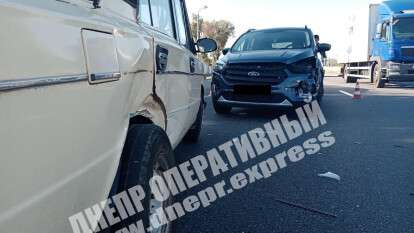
(72, 78)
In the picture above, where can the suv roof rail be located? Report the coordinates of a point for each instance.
(251, 30)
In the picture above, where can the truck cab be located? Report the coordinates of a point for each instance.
(391, 42)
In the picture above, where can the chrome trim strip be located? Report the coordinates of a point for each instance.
(182, 73)
(10, 85)
(104, 77)
(285, 103)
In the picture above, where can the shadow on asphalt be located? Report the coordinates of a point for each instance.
(259, 113)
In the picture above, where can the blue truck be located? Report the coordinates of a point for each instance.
(390, 45)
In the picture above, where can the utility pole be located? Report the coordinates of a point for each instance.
(198, 20)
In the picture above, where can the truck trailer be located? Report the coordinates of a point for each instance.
(390, 46)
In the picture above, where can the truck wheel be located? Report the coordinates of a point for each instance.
(147, 153)
(377, 76)
(193, 134)
(345, 72)
(348, 79)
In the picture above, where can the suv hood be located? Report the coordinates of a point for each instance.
(286, 56)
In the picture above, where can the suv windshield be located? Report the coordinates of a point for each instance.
(403, 28)
(273, 39)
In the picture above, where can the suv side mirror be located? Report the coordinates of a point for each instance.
(324, 47)
(206, 45)
(225, 51)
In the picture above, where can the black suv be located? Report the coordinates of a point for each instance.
(272, 67)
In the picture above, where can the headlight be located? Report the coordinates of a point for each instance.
(394, 66)
(303, 67)
(219, 67)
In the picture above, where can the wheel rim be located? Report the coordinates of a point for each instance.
(156, 204)
(377, 74)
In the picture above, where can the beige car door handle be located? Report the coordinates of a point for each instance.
(192, 65)
(161, 59)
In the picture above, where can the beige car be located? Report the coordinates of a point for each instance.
(94, 96)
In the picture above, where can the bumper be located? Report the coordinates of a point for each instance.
(288, 93)
(400, 72)
(232, 103)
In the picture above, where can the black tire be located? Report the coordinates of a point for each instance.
(377, 76)
(220, 109)
(348, 79)
(147, 150)
(193, 135)
(321, 92)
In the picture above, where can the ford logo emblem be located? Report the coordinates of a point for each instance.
(253, 74)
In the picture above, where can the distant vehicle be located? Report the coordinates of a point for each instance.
(390, 45)
(269, 68)
(94, 96)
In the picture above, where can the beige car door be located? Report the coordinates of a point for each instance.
(172, 83)
(192, 66)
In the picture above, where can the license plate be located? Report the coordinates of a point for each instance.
(260, 90)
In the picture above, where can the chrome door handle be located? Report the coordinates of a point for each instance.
(192, 65)
(161, 59)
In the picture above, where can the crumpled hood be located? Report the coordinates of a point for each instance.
(286, 56)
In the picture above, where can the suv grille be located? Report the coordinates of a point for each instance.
(263, 72)
(275, 98)
(407, 52)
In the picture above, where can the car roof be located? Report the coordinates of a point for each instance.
(282, 28)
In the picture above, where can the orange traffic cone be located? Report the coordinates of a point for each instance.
(357, 93)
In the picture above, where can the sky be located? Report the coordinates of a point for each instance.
(331, 19)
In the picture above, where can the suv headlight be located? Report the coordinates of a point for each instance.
(219, 67)
(304, 66)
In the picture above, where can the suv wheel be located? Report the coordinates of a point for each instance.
(147, 153)
(321, 92)
(218, 108)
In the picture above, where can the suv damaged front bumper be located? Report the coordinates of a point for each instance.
(295, 90)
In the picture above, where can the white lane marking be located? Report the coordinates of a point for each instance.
(346, 93)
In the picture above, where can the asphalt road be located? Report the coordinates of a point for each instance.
(373, 155)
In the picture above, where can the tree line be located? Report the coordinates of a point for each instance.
(218, 30)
